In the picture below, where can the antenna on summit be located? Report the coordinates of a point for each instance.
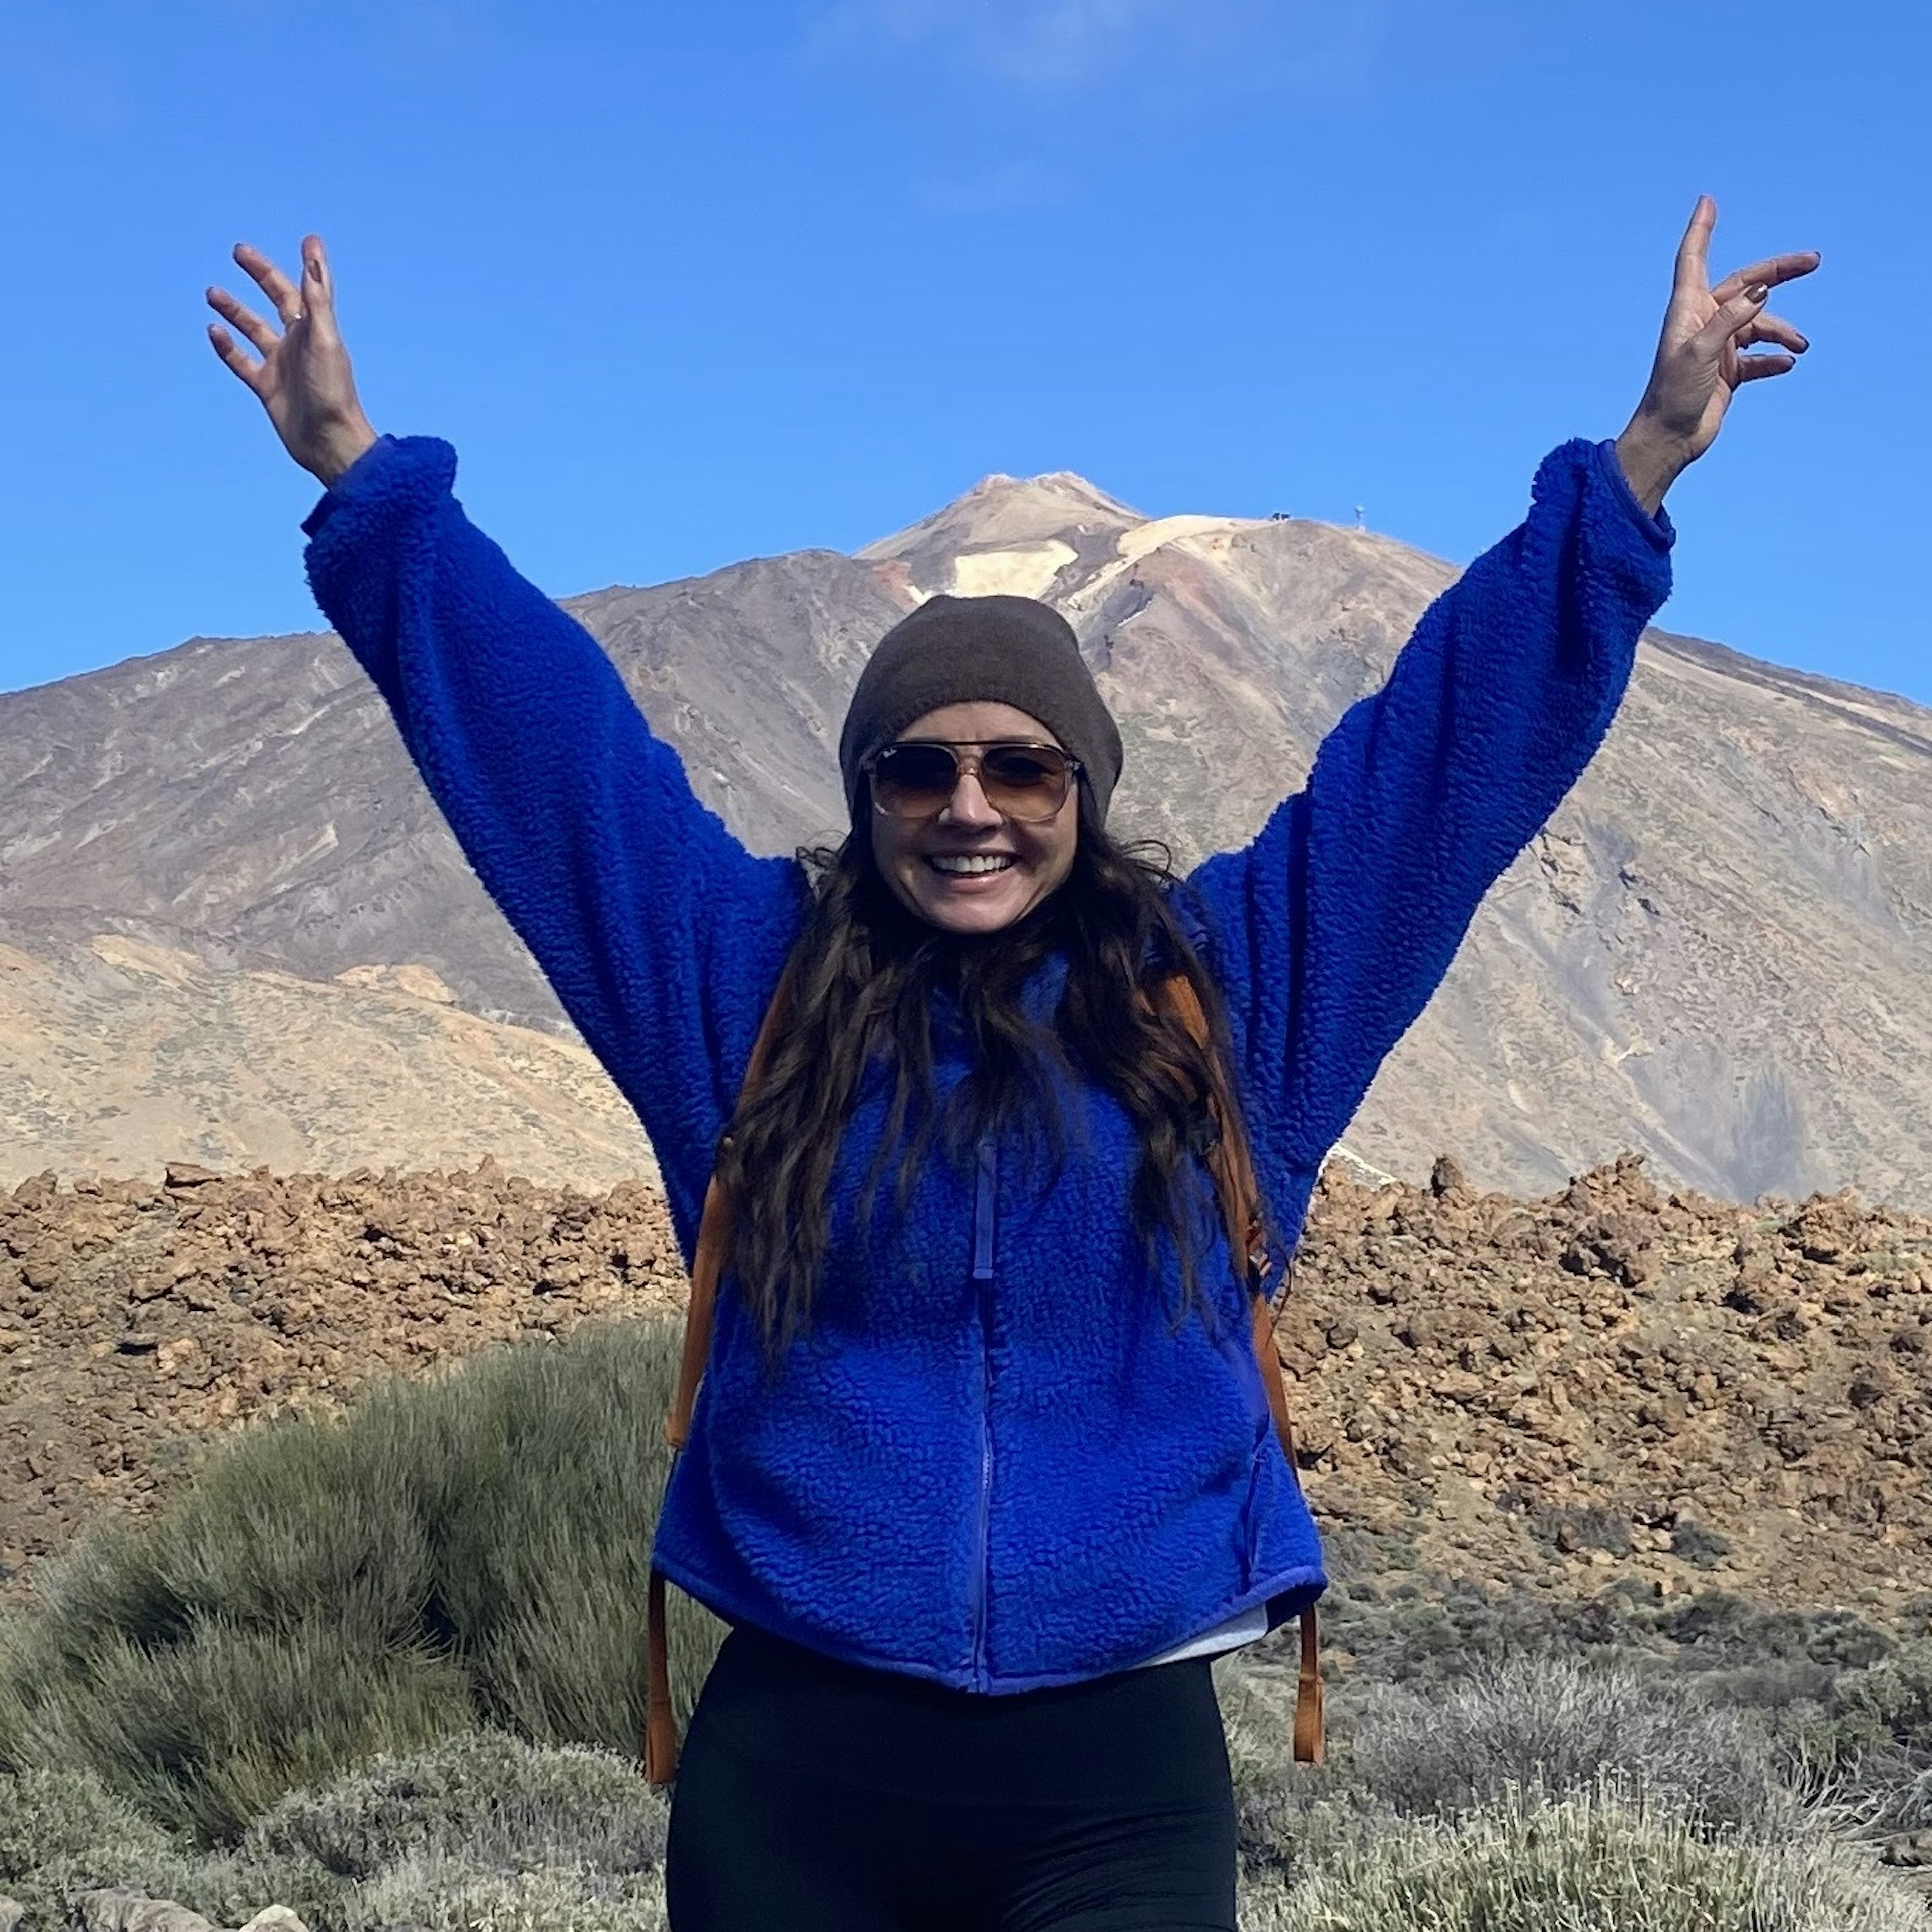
(1361, 518)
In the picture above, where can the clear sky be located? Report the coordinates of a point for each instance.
(687, 283)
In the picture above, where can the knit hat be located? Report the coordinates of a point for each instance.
(1005, 650)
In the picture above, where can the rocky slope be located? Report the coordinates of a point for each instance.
(1609, 1380)
(1720, 951)
(121, 1055)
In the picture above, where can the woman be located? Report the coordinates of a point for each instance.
(982, 1472)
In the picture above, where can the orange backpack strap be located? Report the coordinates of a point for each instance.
(1232, 1166)
(707, 1265)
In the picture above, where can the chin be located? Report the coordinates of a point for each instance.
(968, 917)
(971, 919)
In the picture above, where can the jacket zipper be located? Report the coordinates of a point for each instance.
(985, 1181)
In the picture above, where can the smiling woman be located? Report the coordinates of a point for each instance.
(979, 1493)
(974, 843)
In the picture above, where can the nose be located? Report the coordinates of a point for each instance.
(968, 806)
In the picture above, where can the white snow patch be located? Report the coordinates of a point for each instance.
(1138, 542)
(1024, 572)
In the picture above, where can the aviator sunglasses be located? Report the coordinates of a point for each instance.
(916, 778)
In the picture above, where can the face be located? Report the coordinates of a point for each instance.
(1037, 857)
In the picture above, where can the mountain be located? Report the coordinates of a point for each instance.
(122, 1056)
(1718, 952)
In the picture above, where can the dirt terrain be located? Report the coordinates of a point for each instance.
(120, 1055)
(1609, 1380)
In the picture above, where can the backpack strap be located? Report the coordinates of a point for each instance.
(1240, 1197)
(707, 1266)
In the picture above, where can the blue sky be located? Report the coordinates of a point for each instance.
(687, 284)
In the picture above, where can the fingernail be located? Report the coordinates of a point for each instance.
(1757, 291)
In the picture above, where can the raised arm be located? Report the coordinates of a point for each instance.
(1331, 929)
(662, 936)
(1330, 932)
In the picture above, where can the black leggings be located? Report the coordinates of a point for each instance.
(818, 1796)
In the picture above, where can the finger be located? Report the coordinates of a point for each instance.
(1727, 320)
(1772, 270)
(270, 279)
(232, 352)
(1751, 367)
(317, 291)
(250, 324)
(1694, 252)
(1773, 328)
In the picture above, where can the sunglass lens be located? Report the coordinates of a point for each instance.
(914, 777)
(1023, 781)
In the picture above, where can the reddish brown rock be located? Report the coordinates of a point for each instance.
(1710, 1392)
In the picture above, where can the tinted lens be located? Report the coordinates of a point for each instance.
(914, 778)
(1023, 781)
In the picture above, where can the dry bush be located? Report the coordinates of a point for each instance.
(1551, 1724)
(1595, 1862)
(64, 1832)
(487, 1797)
(479, 1830)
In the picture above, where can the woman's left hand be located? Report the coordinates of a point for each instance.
(1701, 362)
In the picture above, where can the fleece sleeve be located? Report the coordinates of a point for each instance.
(1329, 932)
(662, 936)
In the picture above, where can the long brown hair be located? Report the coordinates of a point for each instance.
(860, 981)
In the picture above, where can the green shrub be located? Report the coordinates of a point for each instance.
(1906, 1801)
(1594, 1861)
(1548, 1723)
(468, 1551)
(1890, 1702)
(1797, 1668)
(1867, 1731)
(482, 1831)
(45, 1815)
(1582, 1527)
(439, 1894)
(64, 1832)
(1284, 1813)
(1886, 1792)
(357, 1654)
(1726, 1630)
(479, 1829)
(202, 1735)
(487, 1797)
(1698, 1543)
(1435, 1629)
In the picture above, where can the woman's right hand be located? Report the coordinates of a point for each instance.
(303, 379)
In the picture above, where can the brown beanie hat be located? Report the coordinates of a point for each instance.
(1004, 650)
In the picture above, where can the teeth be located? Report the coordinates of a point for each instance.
(975, 862)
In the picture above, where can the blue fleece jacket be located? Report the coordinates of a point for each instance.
(991, 1464)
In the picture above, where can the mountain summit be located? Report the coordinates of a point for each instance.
(1719, 951)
